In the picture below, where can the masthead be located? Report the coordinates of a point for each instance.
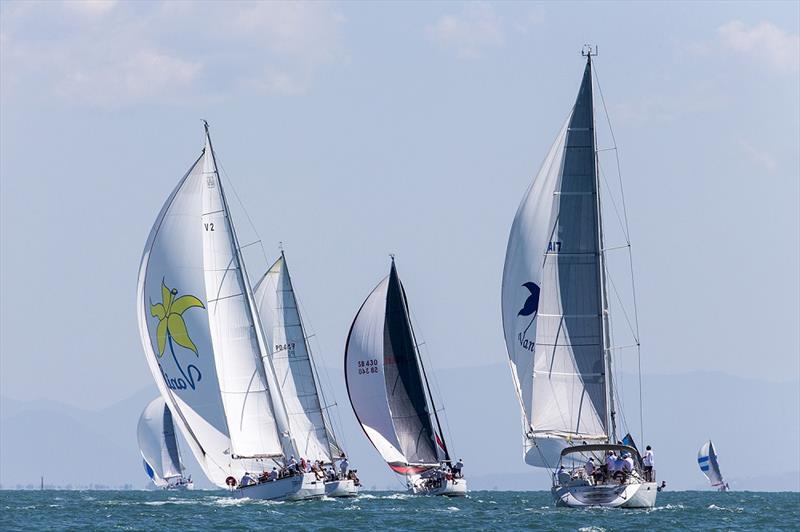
(589, 50)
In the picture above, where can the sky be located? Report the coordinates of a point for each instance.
(350, 131)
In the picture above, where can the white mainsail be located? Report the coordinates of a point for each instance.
(291, 359)
(553, 299)
(709, 465)
(158, 444)
(200, 332)
(385, 383)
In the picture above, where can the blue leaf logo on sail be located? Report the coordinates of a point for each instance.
(532, 303)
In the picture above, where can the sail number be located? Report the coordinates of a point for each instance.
(285, 347)
(554, 247)
(365, 367)
(209, 226)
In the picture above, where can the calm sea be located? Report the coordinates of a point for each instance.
(487, 510)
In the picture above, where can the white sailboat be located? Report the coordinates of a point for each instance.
(390, 394)
(556, 323)
(204, 343)
(297, 376)
(159, 447)
(709, 465)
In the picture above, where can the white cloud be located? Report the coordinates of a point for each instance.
(104, 53)
(764, 43)
(470, 32)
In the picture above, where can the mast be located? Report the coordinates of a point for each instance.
(611, 423)
(314, 374)
(424, 374)
(276, 399)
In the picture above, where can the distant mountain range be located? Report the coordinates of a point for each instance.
(754, 425)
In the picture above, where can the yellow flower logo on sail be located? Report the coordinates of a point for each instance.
(170, 319)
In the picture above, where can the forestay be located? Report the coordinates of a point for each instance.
(551, 295)
(158, 444)
(291, 359)
(385, 383)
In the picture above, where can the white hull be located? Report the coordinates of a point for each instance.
(341, 488)
(634, 495)
(295, 488)
(180, 487)
(449, 488)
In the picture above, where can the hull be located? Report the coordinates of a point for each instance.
(449, 488)
(180, 487)
(341, 488)
(635, 495)
(295, 488)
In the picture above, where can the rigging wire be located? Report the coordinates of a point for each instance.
(630, 254)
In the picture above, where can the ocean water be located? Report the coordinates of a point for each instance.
(482, 510)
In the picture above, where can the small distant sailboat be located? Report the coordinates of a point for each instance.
(297, 376)
(557, 329)
(390, 394)
(159, 447)
(709, 465)
(206, 348)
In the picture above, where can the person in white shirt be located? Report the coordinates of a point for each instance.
(589, 468)
(273, 475)
(292, 465)
(627, 465)
(343, 465)
(648, 461)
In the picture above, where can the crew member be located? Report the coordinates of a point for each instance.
(648, 461)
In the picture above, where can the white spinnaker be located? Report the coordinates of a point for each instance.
(364, 375)
(157, 441)
(707, 460)
(551, 296)
(186, 379)
(189, 377)
(280, 318)
(243, 381)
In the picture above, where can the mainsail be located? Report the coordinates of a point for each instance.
(707, 460)
(201, 333)
(386, 382)
(294, 368)
(158, 444)
(553, 296)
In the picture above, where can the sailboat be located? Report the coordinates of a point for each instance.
(557, 325)
(390, 395)
(709, 465)
(298, 378)
(159, 447)
(205, 346)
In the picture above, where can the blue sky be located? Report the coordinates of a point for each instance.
(353, 130)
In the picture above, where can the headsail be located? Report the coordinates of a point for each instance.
(552, 298)
(200, 333)
(385, 383)
(158, 444)
(291, 358)
(707, 460)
